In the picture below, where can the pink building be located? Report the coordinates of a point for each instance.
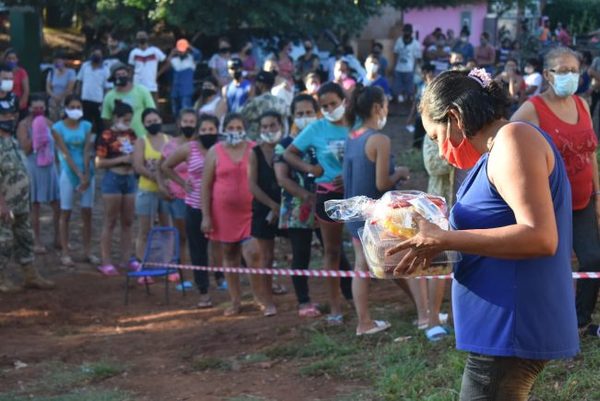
(425, 20)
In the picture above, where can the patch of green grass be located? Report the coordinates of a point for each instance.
(247, 397)
(255, 358)
(331, 366)
(211, 363)
(59, 376)
(83, 395)
(283, 351)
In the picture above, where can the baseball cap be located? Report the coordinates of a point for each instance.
(182, 45)
(234, 63)
(266, 77)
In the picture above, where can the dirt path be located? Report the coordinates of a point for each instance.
(166, 352)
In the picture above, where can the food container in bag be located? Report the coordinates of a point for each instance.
(389, 221)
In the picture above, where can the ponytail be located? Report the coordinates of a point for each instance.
(361, 102)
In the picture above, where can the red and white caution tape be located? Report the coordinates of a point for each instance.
(317, 273)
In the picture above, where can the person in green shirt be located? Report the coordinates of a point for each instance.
(137, 96)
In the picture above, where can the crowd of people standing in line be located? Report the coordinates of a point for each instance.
(256, 157)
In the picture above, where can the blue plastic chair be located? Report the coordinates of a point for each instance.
(162, 247)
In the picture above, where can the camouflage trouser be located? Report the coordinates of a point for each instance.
(16, 241)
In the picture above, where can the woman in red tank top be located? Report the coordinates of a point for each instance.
(566, 118)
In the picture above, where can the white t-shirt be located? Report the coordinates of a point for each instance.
(145, 64)
(93, 82)
(534, 79)
(407, 55)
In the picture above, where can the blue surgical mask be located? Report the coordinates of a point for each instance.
(565, 84)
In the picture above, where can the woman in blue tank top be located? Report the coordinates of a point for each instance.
(513, 299)
(368, 171)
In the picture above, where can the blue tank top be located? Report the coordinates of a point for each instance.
(359, 173)
(522, 308)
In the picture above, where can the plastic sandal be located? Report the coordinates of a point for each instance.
(145, 280)
(186, 285)
(92, 259)
(278, 289)
(66, 261)
(204, 303)
(436, 333)
(40, 250)
(380, 325)
(108, 270)
(335, 319)
(308, 310)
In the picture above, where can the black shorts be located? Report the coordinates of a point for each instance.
(261, 229)
(322, 197)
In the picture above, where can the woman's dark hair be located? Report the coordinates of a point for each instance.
(208, 118)
(535, 63)
(271, 113)
(122, 109)
(233, 116)
(304, 98)
(283, 43)
(183, 112)
(71, 98)
(148, 111)
(10, 51)
(59, 54)
(361, 102)
(37, 97)
(476, 105)
(331, 87)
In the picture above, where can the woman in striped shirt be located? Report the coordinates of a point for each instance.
(192, 153)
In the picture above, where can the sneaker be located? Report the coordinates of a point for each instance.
(108, 270)
(222, 285)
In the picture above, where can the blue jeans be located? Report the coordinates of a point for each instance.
(404, 83)
(179, 103)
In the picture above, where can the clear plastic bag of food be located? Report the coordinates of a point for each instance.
(390, 220)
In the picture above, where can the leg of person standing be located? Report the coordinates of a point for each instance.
(301, 240)
(586, 243)
(198, 247)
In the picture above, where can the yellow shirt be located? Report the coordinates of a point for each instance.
(151, 159)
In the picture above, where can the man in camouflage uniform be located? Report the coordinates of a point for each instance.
(264, 101)
(16, 235)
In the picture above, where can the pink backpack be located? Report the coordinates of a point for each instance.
(40, 137)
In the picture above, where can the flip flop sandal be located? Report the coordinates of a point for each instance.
(108, 270)
(308, 310)
(436, 333)
(187, 285)
(40, 250)
(335, 320)
(66, 261)
(380, 325)
(279, 289)
(204, 304)
(92, 259)
(270, 311)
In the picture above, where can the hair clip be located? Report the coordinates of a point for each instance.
(481, 76)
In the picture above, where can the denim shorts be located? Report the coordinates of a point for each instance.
(67, 193)
(177, 209)
(118, 184)
(150, 204)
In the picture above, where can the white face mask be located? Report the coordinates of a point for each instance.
(271, 137)
(74, 114)
(565, 85)
(6, 85)
(233, 138)
(121, 126)
(381, 122)
(303, 122)
(312, 87)
(335, 115)
(372, 68)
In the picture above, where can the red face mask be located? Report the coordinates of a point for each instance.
(464, 156)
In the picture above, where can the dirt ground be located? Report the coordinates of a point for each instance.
(85, 320)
